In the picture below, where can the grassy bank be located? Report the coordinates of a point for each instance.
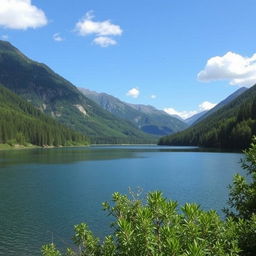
(31, 146)
(16, 146)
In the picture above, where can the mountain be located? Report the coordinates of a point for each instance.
(145, 117)
(21, 123)
(195, 117)
(202, 115)
(178, 117)
(222, 103)
(230, 126)
(60, 99)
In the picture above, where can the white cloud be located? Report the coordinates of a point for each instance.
(21, 14)
(134, 92)
(153, 96)
(102, 30)
(206, 105)
(87, 26)
(4, 37)
(237, 69)
(104, 41)
(182, 114)
(57, 37)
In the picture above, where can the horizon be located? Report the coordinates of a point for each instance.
(179, 57)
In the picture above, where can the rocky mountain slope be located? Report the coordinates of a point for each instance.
(60, 99)
(147, 118)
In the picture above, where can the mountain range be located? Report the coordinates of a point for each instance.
(191, 120)
(224, 102)
(230, 125)
(43, 108)
(60, 99)
(145, 117)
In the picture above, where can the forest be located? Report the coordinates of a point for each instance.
(22, 124)
(60, 99)
(231, 127)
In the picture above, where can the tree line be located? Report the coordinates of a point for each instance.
(21, 123)
(234, 131)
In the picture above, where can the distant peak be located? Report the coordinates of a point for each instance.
(242, 89)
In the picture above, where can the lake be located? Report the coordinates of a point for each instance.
(45, 192)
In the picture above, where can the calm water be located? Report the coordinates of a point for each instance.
(44, 193)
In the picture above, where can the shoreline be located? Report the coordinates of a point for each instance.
(6, 147)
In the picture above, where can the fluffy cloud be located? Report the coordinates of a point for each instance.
(153, 96)
(238, 70)
(87, 26)
(21, 14)
(134, 92)
(182, 114)
(101, 29)
(104, 41)
(206, 105)
(57, 37)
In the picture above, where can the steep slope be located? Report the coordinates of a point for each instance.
(60, 99)
(21, 123)
(191, 120)
(202, 115)
(229, 127)
(146, 118)
(222, 103)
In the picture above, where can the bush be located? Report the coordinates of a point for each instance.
(156, 228)
(242, 202)
(242, 195)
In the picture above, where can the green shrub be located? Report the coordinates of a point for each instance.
(157, 227)
(242, 202)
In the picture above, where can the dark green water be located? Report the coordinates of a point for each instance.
(45, 192)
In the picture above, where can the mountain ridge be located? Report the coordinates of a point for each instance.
(231, 126)
(221, 104)
(59, 98)
(145, 117)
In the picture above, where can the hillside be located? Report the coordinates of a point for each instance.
(21, 123)
(222, 103)
(60, 99)
(147, 118)
(231, 126)
(191, 120)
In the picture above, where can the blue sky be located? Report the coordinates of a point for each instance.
(179, 55)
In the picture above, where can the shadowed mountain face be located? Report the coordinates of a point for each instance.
(60, 99)
(191, 120)
(202, 115)
(146, 118)
(221, 104)
(230, 126)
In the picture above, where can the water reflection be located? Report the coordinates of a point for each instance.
(76, 154)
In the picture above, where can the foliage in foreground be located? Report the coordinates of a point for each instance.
(242, 202)
(242, 196)
(157, 227)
